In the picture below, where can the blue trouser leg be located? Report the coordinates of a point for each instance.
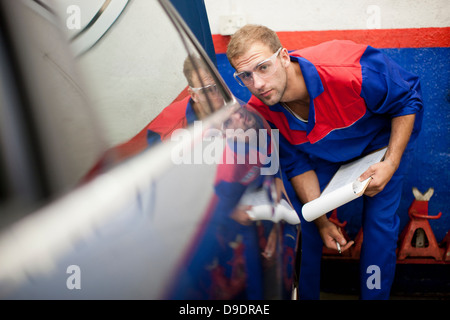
(380, 228)
(311, 252)
(309, 278)
(311, 242)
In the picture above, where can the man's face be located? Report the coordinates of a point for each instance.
(242, 126)
(206, 92)
(241, 119)
(268, 89)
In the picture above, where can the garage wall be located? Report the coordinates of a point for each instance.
(306, 15)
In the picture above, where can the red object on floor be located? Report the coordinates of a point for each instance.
(356, 248)
(417, 239)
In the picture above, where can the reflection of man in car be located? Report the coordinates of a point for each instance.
(242, 158)
(242, 119)
(246, 147)
(249, 139)
(203, 99)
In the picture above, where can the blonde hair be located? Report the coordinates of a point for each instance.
(249, 34)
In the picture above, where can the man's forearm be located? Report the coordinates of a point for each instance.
(400, 133)
(307, 188)
(306, 185)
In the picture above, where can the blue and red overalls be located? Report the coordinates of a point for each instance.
(178, 115)
(354, 91)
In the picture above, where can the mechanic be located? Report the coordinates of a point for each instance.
(333, 103)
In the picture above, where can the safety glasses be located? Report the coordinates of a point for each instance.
(264, 69)
(209, 89)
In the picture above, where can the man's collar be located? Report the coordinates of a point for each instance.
(190, 113)
(310, 75)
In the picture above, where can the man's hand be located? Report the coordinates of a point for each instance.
(381, 173)
(241, 216)
(330, 234)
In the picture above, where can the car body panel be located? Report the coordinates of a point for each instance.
(122, 219)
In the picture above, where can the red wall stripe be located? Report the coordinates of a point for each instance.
(379, 38)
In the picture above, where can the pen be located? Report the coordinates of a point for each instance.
(338, 247)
